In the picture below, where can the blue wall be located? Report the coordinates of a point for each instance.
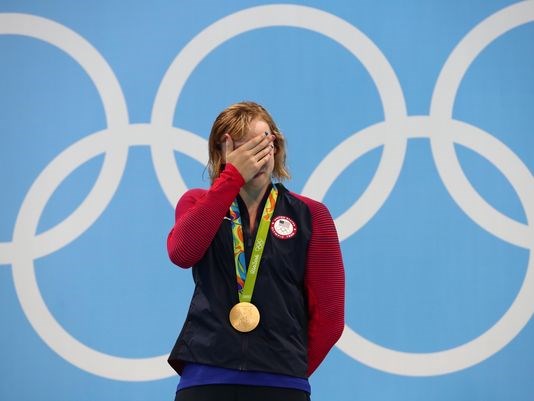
(411, 120)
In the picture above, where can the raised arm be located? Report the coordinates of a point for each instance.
(198, 216)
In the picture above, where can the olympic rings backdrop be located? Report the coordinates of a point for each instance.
(411, 120)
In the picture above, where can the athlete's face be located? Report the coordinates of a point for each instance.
(255, 128)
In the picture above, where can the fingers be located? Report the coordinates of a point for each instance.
(251, 147)
(264, 148)
(259, 142)
(263, 154)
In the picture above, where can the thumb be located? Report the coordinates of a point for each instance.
(228, 146)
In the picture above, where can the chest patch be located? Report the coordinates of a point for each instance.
(283, 227)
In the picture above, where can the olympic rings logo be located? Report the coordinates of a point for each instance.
(392, 134)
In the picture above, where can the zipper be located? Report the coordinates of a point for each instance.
(249, 243)
(244, 347)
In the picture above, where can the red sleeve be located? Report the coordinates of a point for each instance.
(325, 285)
(198, 216)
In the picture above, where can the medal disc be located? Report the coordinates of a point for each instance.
(244, 317)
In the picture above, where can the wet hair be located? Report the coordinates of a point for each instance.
(235, 121)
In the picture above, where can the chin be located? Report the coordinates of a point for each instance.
(261, 179)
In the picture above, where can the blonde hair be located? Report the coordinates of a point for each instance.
(235, 121)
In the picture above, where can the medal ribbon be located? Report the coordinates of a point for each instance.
(246, 278)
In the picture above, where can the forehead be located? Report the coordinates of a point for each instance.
(256, 127)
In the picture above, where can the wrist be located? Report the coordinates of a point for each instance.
(233, 173)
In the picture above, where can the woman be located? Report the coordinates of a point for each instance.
(269, 281)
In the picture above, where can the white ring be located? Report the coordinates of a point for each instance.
(116, 115)
(519, 313)
(443, 133)
(442, 104)
(26, 286)
(20, 250)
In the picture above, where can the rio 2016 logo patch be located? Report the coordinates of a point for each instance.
(283, 227)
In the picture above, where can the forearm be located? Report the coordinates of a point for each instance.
(198, 217)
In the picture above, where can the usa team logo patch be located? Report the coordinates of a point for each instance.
(283, 227)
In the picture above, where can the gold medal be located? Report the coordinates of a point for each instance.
(244, 317)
